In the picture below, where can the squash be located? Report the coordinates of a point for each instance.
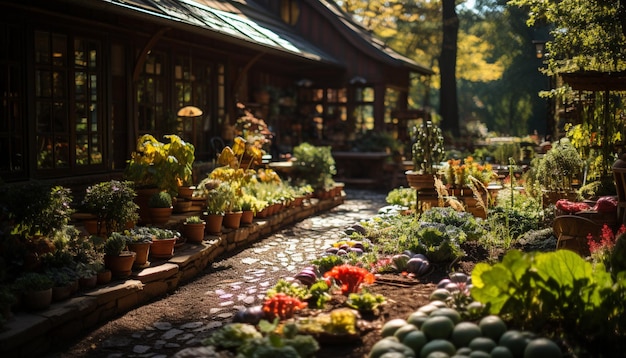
(390, 344)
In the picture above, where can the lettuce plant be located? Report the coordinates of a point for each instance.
(554, 289)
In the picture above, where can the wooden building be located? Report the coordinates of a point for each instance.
(80, 80)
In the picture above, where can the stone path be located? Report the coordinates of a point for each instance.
(244, 279)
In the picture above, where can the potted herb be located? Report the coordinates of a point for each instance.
(140, 241)
(36, 290)
(217, 195)
(427, 151)
(112, 203)
(164, 241)
(160, 208)
(193, 229)
(116, 256)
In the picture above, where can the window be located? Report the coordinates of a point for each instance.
(363, 109)
(13, 160)
(68, 102)
(289, 11)
(326, 112)
(150, 96)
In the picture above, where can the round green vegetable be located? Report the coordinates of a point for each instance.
(402, 331)
(438, 327)
(484, 344)
(464, 332)
(542, 348)
(479, 354)
(438, 355)
(417, 318)
(501, 352)
(415, 340)
(448, 312)
(390, 344)
(437, 345)
(390, 327)
(440, 294)
(515, 341)
(493, 327)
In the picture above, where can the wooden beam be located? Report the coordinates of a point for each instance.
(146, 50)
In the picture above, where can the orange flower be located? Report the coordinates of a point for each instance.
(350, 277)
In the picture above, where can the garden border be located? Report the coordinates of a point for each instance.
(31, 334)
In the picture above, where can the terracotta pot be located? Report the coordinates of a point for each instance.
(232, 220)
(194, 232)
(246, 217)
(162, 248)
(183, 206)
(88, 282)
(142, 249)
(214, 223)
(37, 300)
(142, 199)
(263, 213)
(121, 266)
(160, 216)
(104, 277)
(60, 293)
(420, 181)
(91, 226)
(185, 192)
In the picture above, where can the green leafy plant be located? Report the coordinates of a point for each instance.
(559, 168)
(314, 165)
(115, 244)
(194, 219)
(427, 149)
(112, 203)
(555, 289)
(217, 198)
(365, 301)
(161, 199)
(326, 263)
(288, 288)
(404, 197)
(33, 281)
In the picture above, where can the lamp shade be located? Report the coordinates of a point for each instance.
(189, 111)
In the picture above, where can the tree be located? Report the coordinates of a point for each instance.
(448, 104)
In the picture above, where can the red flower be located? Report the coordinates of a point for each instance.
(282, 306)
(350, 277)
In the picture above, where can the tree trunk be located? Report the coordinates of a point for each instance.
(448, 104)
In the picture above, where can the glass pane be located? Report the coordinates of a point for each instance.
(93, 114)
(43, 84)
(80, 57)
(58, 81)
(82, 150)
(59, 48)
(179, 92)
(342, 95)
(42, 117)
(42, 48)
(331, 95)
(93, 87)
(59, 118)
(45, 158)
(81, 117)
(61, 153)
(80, 86)
(368, 94)
(187, 93)
(96, 154)
(318, 95)
(93, 55)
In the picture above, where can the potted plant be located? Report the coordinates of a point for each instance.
(36, 290)
(427, 151)
(87, 276)
(64, 278)
(140, 240)
(116, 256)
(193, 229)
(315, 166)
(160, 207)
(558, 172)
(217, 195)
(113, 205)
(163, 242)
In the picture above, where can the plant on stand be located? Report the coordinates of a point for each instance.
(427, 152)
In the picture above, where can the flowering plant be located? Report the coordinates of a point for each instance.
(350, 277)
(601, 250)
(457, 173)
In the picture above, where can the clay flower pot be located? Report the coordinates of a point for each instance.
(213, 223)
(194, 232)
(232, 220)
(246, 217)
(162, 248)
(142, 249)
(121, 266)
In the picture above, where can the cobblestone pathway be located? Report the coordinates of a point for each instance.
(166, 327)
